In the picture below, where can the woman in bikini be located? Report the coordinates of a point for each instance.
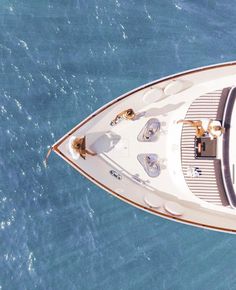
(126, 115)
(79, 146)
(200, 131)
(214, 128)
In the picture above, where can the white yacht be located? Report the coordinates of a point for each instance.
(149, 147)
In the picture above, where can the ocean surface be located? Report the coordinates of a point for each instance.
(60, 61)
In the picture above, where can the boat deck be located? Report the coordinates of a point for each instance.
(167, 192)
(213, 184)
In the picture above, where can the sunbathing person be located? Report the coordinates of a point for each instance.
(126, 115)
(215, 129)
(197, 124)
(79, 146)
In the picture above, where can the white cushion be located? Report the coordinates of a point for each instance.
(153, 200)
(153, 95)
(176, 86)
(174, 208)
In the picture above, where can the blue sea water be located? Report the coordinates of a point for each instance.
(60, 61)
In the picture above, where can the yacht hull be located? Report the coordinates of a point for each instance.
(169, 195)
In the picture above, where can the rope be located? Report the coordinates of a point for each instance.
(47, 156)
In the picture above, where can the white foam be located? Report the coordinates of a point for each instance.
(23, 44)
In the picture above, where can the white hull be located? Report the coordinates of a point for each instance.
(172, 194)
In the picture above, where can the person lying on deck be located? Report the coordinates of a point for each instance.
(126, 115)
(79, 146)
(215, 129)
(200, 131)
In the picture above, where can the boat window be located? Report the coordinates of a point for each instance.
(150, 164)
(115, 174)
(149, 131)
